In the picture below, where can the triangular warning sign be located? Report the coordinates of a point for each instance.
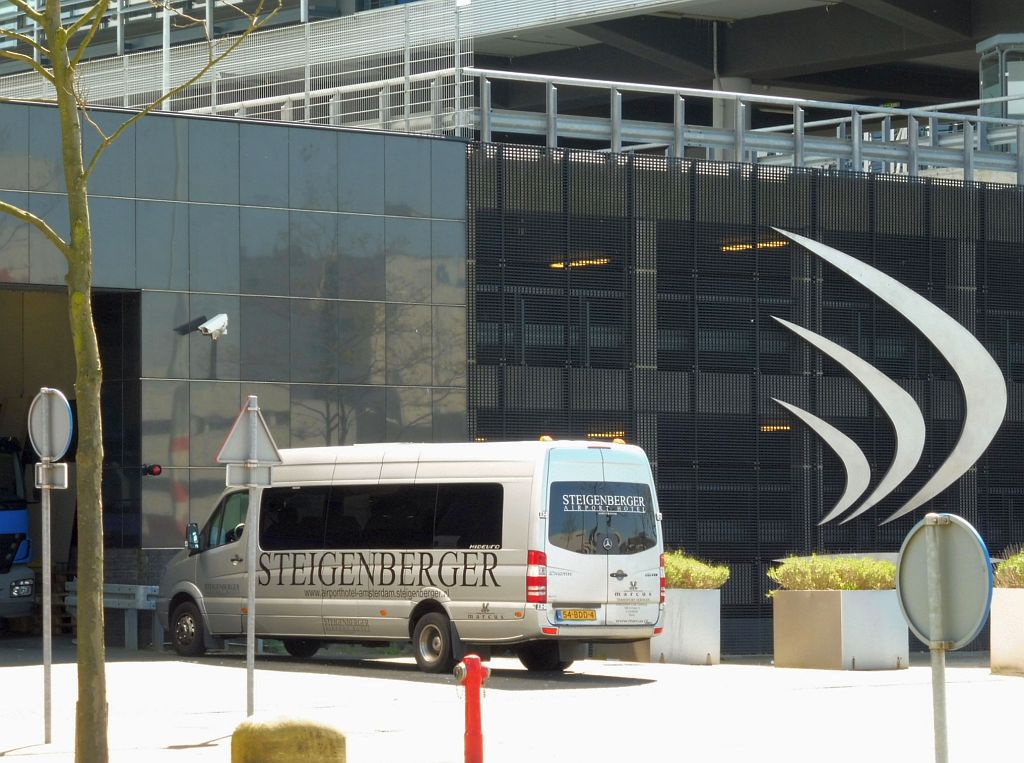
(249, 439)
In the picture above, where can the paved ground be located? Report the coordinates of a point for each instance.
(164, 709)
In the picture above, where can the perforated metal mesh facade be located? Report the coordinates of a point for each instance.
(634, 295)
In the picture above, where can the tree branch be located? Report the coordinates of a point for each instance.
(41, 70)
(98, 11)
(23, 38)
(40, 224)
(28, 10)
(256, 22)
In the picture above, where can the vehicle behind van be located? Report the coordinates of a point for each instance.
(537, 547)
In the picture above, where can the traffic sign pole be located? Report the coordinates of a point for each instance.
(49, 431)
(944, 586)
(937, 647)
(250, 445)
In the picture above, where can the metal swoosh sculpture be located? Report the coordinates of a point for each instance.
(896, 402)
(979, 375)
(858, 472)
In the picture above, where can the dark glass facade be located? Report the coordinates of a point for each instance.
(634, 295)
(338, 256)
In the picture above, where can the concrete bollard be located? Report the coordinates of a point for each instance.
(287, 741)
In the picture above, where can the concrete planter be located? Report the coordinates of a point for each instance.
(692, 635)
(693, 628)
(1006, 624)
(840, 630)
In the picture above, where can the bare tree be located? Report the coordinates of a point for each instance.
(55, 56)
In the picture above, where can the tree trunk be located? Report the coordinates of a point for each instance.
(91, 713)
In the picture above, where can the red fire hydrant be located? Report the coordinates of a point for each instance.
(471, 673)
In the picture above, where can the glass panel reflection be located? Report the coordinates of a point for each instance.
(450, 351)
(448, 179)
(408, 259)
(161, 245)
(361, 173)
(14, 236)
(46, 168)
(265, 338)
(166, 501)
(213, 161)
(14, 147)
(408, 344)
(409, 414)
(361, 343)
(407, 176)
(361, 415)
(314, 254)
(113, 242)
(263, 165)
(165, 339)
(164, 424)
(315, 340)
(449, 415)
(313, 169)
(213, 248)
(264, 251)
(46, 264)
(361, 250)
(161, 168)
(205, 487)
(448, 262)
(315, 416)
(214, 408)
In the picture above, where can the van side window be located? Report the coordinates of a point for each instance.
(401, 516)
(293, 518)
(468, 515)
(221, 527)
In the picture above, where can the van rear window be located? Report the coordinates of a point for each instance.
(602, 517)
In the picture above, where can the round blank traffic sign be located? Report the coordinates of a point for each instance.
(964, 577)
(49, 424)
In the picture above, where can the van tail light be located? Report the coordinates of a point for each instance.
(536, 577)
(661, 574)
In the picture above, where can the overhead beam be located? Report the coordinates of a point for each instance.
(819, 40)
(938, 19)
(682, 47)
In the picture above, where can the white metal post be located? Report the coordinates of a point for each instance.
(937, 647)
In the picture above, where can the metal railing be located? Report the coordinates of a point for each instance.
(864, 138)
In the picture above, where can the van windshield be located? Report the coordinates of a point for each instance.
(602, 517)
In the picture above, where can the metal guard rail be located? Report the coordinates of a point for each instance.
(933, 139)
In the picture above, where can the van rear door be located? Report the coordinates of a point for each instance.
(577, 573)
(603, 549)
(629, 536)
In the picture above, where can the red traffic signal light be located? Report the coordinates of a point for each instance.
(152, 470)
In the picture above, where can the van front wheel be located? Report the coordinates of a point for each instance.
(432, 643)
(541, 656)
(188, 635)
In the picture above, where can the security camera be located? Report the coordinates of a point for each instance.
(216, 327)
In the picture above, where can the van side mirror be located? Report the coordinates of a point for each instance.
(192, 537)
(239, 529)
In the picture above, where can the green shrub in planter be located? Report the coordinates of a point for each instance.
(1009, 573)
(683, 571)
(834, 573)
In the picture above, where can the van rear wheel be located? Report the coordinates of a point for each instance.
(303, 648)
(432, 643)
(188, 634)
(542, 656)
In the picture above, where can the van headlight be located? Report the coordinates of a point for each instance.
(23, 587)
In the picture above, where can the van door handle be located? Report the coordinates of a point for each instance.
(619, 575)
(236, 559)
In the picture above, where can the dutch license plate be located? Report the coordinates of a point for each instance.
(575, 614)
